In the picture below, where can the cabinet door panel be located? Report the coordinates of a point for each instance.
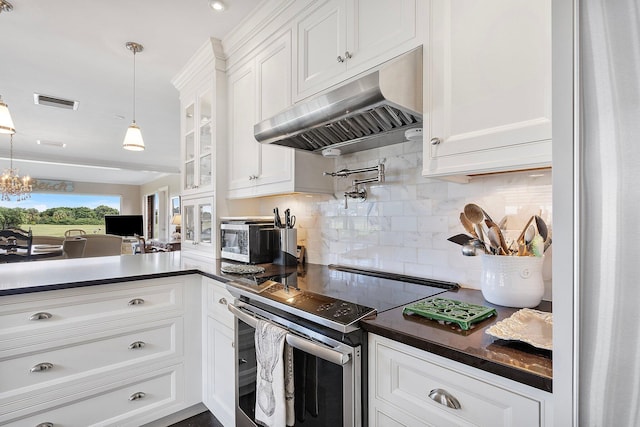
(220, 371)
(274, 80)
(378, 25)
(243, 146)
(490, 82)
(321, 39)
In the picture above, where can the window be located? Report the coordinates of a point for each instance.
(48, 214)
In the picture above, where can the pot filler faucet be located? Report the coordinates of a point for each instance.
(358, 193)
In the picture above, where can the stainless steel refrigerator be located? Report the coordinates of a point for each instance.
(609, 213)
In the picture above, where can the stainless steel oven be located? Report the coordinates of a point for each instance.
(327, 372)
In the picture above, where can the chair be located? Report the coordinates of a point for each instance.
(74, 232)
(74, 247)
(15, 245)
(102, 245)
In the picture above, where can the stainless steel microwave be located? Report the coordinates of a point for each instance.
(252, 240)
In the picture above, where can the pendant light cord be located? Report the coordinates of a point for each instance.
(134, 85)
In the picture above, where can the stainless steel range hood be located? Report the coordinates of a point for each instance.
(367, 112)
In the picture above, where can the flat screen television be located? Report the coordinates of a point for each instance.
(123, 225)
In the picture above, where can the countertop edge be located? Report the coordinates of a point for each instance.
(504, 371)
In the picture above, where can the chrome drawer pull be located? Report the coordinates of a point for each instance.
(445, 398)
(41, 316)
(136, 301)
(40, 367)
(223, 301)
(435, 141)
(137, 396)
(45, 425)
(136, 345)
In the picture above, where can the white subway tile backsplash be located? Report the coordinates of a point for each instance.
(404, 224)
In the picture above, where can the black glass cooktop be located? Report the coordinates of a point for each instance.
(337, 294)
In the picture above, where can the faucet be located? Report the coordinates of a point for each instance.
(357, 193)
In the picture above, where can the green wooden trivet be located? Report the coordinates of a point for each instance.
(449, 310)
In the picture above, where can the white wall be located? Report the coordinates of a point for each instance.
(404, 225)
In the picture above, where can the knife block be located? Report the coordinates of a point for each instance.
(288, 250)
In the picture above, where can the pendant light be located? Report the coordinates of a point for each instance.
(133, 138)
(6, 124)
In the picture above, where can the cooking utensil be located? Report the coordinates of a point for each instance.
(502, 244)
(289, 220)
(277, 222)
(542, 228)
(475, 214)
(495, 237)
(520, 239)
(467, 225)
(468, 250)
(460, 239)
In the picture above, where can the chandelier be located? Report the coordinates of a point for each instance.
(12, 185)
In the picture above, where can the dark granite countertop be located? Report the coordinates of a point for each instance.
(514, 360)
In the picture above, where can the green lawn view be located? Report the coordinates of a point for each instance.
(59, 229)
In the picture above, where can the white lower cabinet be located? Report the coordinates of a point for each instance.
(123, 405)
(411, 387)
(114, 354)
(218, 359)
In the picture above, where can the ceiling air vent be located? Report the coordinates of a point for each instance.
(51, 101)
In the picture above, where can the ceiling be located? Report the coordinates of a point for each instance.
(76, 50)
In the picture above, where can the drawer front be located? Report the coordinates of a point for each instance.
(35, 312)
(405, 382)
(217, 299)
(38, 368)
(116, 406)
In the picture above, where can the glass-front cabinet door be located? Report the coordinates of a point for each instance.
(199, 225)
(198, 129)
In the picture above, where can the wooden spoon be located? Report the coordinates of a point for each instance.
(467, 225)
(475, 214)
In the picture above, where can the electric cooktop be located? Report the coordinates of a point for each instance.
(334, 296)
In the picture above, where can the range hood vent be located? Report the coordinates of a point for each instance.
(369, 112)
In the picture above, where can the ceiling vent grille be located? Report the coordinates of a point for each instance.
(51, 101)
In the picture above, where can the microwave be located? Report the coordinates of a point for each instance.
(251, 240)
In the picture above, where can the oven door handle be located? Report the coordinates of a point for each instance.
(313, 348)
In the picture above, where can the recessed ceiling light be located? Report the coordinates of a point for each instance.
(217, 5)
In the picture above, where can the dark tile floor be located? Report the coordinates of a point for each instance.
(205, 419)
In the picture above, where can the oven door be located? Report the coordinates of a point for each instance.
(327, 373)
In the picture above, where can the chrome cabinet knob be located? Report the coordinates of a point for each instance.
(435, 141)
(347, 55)
(41, 367)
(340, 59)
(222, 301)
(137, 344)
(41, 316)
(137, 396)
(445, 398)
(136, 301)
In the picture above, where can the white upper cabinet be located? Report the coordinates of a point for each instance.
(487, 87)
(201, 87)
(258, 89)
(342, 38)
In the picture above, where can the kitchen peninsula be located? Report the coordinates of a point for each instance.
(151, 312)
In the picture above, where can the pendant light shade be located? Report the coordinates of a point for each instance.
(133, 138)
(6, 124)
